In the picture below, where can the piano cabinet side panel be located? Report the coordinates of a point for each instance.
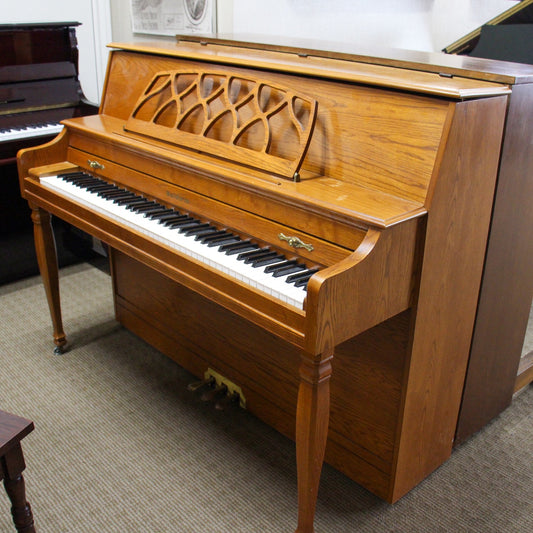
(507, 287)
(454, 251)
(198, 334)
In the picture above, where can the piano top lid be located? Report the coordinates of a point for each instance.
(521, 13)
(436, 74)
(21, 26)
(434, 62)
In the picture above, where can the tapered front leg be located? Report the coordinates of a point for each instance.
(312, 420)
(45, 248)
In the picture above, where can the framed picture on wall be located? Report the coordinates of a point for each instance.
(168, 17)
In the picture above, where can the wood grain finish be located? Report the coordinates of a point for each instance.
(395, 196)
(507, 287)
(231, 117)
(454, 250)
(365, 382)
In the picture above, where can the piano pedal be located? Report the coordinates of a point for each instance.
(229, 400)
(218, 388)
(209, 381)
(212, 394)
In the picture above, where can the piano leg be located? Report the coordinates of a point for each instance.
(45, 248)
(312, 420)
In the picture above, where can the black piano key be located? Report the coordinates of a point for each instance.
(217, 236)
(112, 195)
(197, 229)
(164, 211)
(143, 208)
(77, 176)
(302, 282)
(183, 227)
(72, 176)
(305, 275)
(205, 232)
(99, 187)
(238, 247)
(222, 240)
(148, 211)
(267, 259)
(174, 218)
(108, 187)
(99, 191)
(125, 198)
(288, 270)
(84, 181)
(163, 217)
(247, 257)
(137, 200)
(182, 220)
(144, 202)
(110, 190)
(156, 211)
(284, 264)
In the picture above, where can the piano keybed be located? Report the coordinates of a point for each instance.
(258, 266)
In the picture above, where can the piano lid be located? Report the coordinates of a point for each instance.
(521, 13)
(431, 62)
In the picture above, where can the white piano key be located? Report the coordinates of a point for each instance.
(28, 132)
(188, 245)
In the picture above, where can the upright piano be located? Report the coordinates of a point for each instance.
(302, 229)
(39, 87)
(497, 367)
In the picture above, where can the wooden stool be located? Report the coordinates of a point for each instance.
(12, 430)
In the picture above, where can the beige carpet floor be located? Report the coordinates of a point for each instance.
(120, 445)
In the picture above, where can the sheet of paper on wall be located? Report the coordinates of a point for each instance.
(168, 17)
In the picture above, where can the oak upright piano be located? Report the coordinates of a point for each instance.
(325, 213)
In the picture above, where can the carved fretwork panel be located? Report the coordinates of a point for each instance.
(244, 120)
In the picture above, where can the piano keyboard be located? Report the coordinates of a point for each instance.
(29, 130)
(259, 267)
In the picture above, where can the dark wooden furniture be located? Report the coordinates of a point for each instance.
(12, 430)
(496, 369)
(378, 172)
(38, 86)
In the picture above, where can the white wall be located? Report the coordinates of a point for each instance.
(94, 31)
(427, 25)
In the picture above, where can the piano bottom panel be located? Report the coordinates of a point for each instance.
(198, 334)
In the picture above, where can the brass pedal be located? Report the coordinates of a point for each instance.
(209, 381)
(218, 388)
(229, 400)
(213, 393)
